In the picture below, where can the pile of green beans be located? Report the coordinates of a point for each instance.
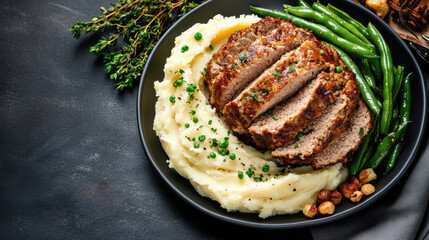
(382, 85)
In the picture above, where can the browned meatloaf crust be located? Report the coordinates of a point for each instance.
(277, 83)
(236, 43)
(326, 128)
(273, 82)
(253, 60)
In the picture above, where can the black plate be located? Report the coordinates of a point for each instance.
(154, 71)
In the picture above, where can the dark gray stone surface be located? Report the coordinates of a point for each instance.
(71, 162)
(72, 165)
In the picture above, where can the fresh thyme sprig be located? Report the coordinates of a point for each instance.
(140, 24)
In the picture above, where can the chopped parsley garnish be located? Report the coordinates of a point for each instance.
(277, 73)
(201, 138)
(265, 168)
(242, 57)
(250, 171)
(198, 36)
(360, 132)
(296, 145)
(210, 122)
(337, 89)
(246, 100)
(205, 72)
(221, 151)
(224, 144)
(229, 132)
(274, 117)
(213, 129)
(322, 52)
(234, 65)
(211, 47)
(255, 97)
(299, 136)
(240, 174)
(172, 99)
(291, 67)
(184, 48)
(192, 112)
(338, 69)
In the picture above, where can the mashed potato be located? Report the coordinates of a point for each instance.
(250, 182)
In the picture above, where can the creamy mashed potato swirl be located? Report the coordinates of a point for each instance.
(269, 190)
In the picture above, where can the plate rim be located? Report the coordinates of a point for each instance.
(311, 222)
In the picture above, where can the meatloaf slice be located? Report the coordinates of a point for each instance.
(326, 128)
(255, 59)
(359, 124)
(280, 126)
(278, 83)
(236, 43)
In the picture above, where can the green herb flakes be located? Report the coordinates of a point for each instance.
(172, 99)
(360, 132)
(265, 168)
(291, 67)
(277, 73)
(184, 48)
(198, 36)
(242, 57)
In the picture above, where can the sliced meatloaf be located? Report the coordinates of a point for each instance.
(277, 83)
(360, 123)
(323, 130)
(255, 59)
(236, 43)
(280, 126)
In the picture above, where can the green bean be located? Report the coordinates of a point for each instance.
(303, 3)
(320, 8)
(387, 68)
(368, 96)
(405, 103)
(385, 146)
(367, 156)
(308, 13)
(374, 64)
(399, 77)
(392, 158)
(366, 71)
(357, 163)
(318, 30)
(345, 16)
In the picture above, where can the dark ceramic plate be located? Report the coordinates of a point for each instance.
(154, 71)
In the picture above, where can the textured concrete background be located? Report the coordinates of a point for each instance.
(72, 165)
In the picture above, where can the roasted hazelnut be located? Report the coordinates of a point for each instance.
(335, 197)
(310, 210)
(323, 196)
(367, 189)
(367, 175)
(327, 208)
(347, 189)
(356, 196)
(356, 182)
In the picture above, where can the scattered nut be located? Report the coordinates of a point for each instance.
(356, 182)
(310, 210)
(327, 208)
(356, 196)
(367, 175)
(368, 189)
(347, 189)
(323, 196)
(335, 197)
(380, 7)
